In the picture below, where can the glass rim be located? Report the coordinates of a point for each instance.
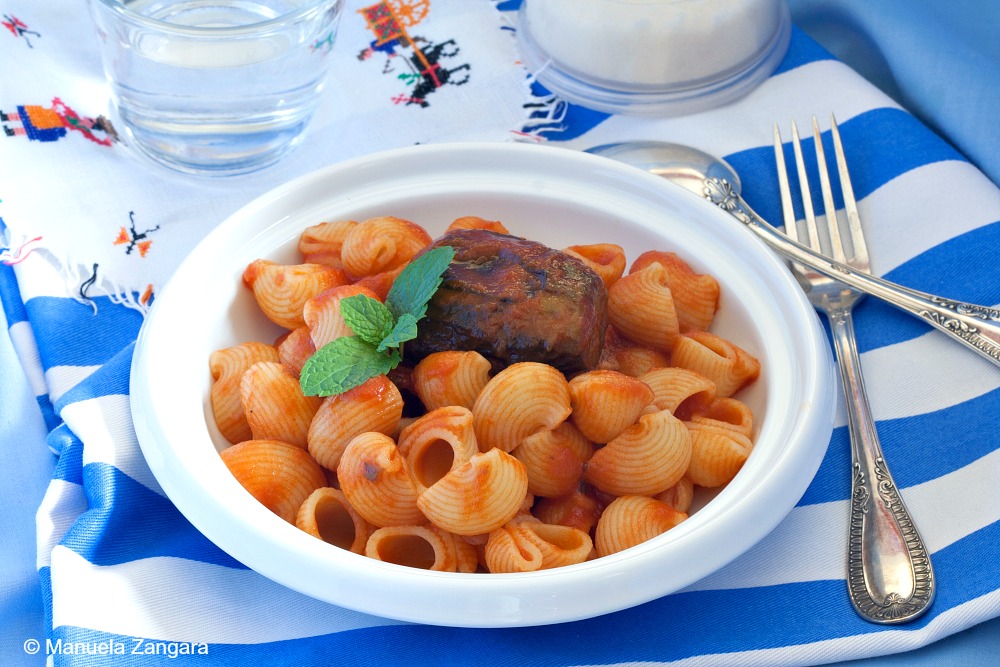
(120, 9)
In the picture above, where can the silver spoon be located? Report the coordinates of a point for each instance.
(709, 177)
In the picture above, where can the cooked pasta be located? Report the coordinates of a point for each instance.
(478, 496)
(376, 481)
(717, 454)
(322, 314)
(475, 222)
(578, 509)
(275, 405)
(381, 244)
(679, 496)
(282, 290)
(452, 377)
(227, 367)
(632, 520)
(554, 459)
(648, 457)
(423, 547)
(606, 259)
(522, 399)
(374, 406)
(641, 308)
(437, 443)
(678, 390)
(625, 356)
(696, 295)
(294, 348)
(729, 366)
(322, 243)
(279, 475)
(525, 544)
(328, 515)
(727, 413)
(605, 403)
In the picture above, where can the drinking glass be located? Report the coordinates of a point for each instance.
(216, 86)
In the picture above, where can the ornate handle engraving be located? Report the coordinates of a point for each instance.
(893, 607)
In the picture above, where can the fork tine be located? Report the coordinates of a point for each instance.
(857, 234)
(811, 232)
(833, 226)
(791, 230)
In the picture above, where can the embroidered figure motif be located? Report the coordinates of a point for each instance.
(52, 123)
(18, 28)
(423, 60)
(133, 239)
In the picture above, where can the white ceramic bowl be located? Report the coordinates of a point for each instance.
(553, 195)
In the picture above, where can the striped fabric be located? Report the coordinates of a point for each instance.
(120, 567)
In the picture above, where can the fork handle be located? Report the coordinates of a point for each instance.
(976, 327)
(889, 573)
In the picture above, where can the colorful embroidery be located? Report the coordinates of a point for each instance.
(18, 28)
(423, 59)
(46, 124)
(133, 239)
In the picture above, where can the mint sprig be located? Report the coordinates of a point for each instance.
(380, 329)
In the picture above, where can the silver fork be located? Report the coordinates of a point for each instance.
(890, 578)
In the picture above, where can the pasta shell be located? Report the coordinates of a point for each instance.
(632, 520)
(412, 546)
(375, 480)
(605, 259)
(478, 496)
(282, 290)
(576, 509)
(527, 544)
(451, 377)
(727, 413)
(475, 222)
(275, 406)
(376, 405)
(381, 244)
(327, 515)
(295, 348)
(649, 457)
(625, 356)
(726, 364)
(437, 443)
(679, 496)
(322, 314)
(522, 399)
(679, 391)
(322, 243)
(696, 295)
(554, 459)
(605, 403)
(380, 283)
(227, 367)
(641, 308)
(279, 475)
(717, 454)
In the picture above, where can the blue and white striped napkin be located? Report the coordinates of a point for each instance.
(121, 570)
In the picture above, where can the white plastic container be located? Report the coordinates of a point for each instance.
(653, 57)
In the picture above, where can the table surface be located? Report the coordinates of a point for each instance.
(886, 44)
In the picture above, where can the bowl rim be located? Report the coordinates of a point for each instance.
(251, 534)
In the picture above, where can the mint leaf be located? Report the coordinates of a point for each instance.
(367, 317)
(417, 282)
(342, 364)
(405, 329)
